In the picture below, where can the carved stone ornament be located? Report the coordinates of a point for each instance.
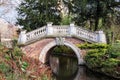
(60, 41)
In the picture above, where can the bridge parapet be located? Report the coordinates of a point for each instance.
(36, 34)
(61, 31)
(86, 35)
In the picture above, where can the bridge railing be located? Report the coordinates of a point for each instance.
(62, 31)
(86, 34)
(36, 34)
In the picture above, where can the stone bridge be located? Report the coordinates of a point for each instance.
(37, 43)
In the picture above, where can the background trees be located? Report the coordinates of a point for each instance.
(35, 13)
(97, 15)
(96, 12)
(91, 14)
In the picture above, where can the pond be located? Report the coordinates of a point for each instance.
(66, 68)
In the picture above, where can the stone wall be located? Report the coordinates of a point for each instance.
(7, 32)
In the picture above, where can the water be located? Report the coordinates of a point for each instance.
(66, 68)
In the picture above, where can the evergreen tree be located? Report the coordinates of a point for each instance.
(35, 13)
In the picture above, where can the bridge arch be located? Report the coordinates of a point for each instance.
(44, 52)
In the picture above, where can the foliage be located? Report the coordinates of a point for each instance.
(24, 66)
(104, 59)
(5, 68)
(15, 65)
(92, 46)
(97, 15)
(110, 67)
(66, 20)
(10, 60)
(44, 77)
(114, 50)
(62, 49)
(111, 62)
(95, 57)
(34, 14)
(117, 41)
(97, 12)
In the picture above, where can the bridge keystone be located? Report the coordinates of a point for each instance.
(60, 40)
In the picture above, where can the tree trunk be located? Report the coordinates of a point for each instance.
(96, 23)
(90, 25)
(97, 15)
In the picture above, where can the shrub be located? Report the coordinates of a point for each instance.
(62, 49)
(110, 66)
(92, 51)
(114, 50)
(111, 63)
(103, 58)
(5, 68)
(93, 46)
(24, 66)
(94, 58)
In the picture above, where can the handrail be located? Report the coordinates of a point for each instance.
(85, 34)
(38, 33)
(60, 31)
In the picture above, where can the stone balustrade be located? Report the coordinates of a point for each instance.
(61, 31)
(36, 34)
(85, 34)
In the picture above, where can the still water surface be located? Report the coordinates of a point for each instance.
(66, 68)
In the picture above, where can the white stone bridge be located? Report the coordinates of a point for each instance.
(37, 43)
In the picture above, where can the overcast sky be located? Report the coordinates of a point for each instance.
(8, 10)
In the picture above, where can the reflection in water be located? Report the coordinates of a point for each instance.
(60, 67)
(66, 68)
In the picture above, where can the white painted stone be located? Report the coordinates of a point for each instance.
(72, 29)
(43, 54)
(44, 51)
(49, 24)
(60, 31)
(49, 29)
(60, 41)
(22, 37)
(101, 38)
